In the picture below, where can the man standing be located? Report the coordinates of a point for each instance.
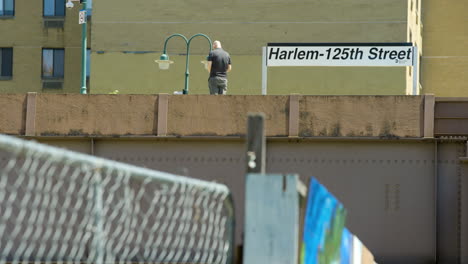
(219, 64)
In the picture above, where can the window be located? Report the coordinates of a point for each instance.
(53, 61)
(420, 69)
(7, 7)
(54, 8)
(6, 63)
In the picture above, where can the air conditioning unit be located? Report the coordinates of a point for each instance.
(54, 22)
(52, 84)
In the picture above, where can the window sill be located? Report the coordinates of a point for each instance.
(7, 17)
(55, 18)
(52, 79)
(6, 78)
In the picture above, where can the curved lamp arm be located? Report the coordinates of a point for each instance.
(185, 91)
(200, 35)
(164, 59)
(171, 36)
(205, 63)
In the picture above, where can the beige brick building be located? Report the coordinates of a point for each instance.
(125, 39)
(36, 32)
(130, 38)
(445, 57)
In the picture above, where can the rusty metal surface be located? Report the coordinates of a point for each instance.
(388, 189)
(448, 203)
(463, 205)
(451, 117)
(388, 186)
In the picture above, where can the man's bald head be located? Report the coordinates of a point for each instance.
(216, 44)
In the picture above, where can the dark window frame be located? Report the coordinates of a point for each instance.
(6, 71)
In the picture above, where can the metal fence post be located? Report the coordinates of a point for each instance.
(98, 218)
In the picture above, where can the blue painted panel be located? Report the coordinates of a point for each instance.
(346, 247)
(323, 226)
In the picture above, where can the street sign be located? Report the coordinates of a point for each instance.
(332, 55)
(341, 54)
(82, 17)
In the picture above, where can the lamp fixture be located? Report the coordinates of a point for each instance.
(164, 62)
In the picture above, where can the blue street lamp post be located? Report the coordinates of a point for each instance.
(164, 61)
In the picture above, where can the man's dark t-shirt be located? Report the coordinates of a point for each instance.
(220, 60)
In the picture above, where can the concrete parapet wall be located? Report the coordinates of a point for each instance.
(225, 115)
(96, 114)
(382, 116)
(12, 113)
(205, 115)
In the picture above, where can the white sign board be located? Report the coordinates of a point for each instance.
(339, 56)
(82, 17)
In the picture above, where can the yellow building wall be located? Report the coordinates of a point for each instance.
(26, 34)
(445, 60)
(414, 35)
(128, 38)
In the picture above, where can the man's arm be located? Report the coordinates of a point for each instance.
(229, 68)
(208, 66)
